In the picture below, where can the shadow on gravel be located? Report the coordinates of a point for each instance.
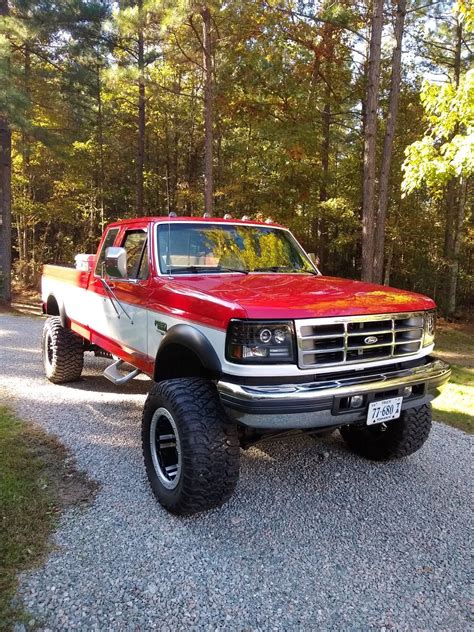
(100, 384)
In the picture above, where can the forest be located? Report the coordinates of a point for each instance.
(350, 121)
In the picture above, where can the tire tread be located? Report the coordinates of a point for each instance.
(209, 444)
(68, 352)
(402, 437)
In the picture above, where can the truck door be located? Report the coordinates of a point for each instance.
(132, 293)
(117, 318)
(99, 313)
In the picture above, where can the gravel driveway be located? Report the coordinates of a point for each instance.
(313, 539)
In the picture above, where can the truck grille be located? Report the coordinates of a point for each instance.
(354, 339)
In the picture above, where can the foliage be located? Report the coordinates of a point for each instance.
(289, 98)
(447, 149)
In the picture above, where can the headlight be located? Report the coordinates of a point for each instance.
(260, 341)
(429, 327)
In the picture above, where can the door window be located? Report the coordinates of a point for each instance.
(135, 243)
(108, 242)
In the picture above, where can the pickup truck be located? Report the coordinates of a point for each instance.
(243, 338)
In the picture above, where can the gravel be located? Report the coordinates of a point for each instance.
(313, 539)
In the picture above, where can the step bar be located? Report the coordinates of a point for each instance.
(113, 374)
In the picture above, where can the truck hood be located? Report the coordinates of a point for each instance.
(301, 296)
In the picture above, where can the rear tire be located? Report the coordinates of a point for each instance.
(62, 352)
(400, 438)
(190, 447)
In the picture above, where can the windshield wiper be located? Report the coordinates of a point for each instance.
(193, 269)
(272, 269)
(198, 269)
(284, 269)
(227, 269)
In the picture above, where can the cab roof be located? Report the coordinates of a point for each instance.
(212, 220)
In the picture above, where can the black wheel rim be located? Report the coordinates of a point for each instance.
(165, 448)
(48, 349)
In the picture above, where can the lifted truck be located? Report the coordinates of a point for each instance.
(243, 338)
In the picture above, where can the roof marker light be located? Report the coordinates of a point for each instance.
(227, 216)
(172, 214)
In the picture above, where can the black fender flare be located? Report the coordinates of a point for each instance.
(61, 309)
(194, 340)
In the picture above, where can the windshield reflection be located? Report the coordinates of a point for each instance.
(213, 248)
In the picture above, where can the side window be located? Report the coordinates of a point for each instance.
(135, 243)
(108, 242)
(143, 272)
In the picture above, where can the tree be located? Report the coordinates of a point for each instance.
(394, 98)
(443, 160)
(370, 139)
(208, 110)
(109, 104)
(5, 180)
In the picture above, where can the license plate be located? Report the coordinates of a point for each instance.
(385, 410)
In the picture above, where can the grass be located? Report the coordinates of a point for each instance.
(455, 344)
(36, 482)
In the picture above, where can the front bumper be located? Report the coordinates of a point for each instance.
(325, 403)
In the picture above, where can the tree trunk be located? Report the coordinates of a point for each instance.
(370, 137)
(453, 268)
(455, 203)
(394, 100)
(100, 142)
(323, 189)
(5, 197)
(141, 111)
(388, 264)
(208, 112)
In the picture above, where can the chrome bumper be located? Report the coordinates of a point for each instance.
(317, 404)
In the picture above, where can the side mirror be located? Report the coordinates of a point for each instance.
(116, 262)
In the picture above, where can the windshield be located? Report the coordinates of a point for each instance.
(212, 248)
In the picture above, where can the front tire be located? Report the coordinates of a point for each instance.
(62, 352)
(190, 447)
(400, 437)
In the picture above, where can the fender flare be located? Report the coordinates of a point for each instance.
(62, 310)
(194, 340)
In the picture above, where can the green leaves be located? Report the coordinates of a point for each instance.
(447, 149)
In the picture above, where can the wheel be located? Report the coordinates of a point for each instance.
(190, 447)
(396, 439)
(62, 352)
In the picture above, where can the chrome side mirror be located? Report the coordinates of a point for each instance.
(116, 262)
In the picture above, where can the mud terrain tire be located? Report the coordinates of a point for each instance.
(402, 436)
(62, 352)
(190, 447)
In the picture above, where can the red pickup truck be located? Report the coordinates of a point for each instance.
(243, 338)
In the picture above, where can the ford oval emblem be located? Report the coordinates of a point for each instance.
(370, 340)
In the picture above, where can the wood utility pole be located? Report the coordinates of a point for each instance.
(141, 110)
(5, 195)
(208, 111)
(394, 100)
(370, 137)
